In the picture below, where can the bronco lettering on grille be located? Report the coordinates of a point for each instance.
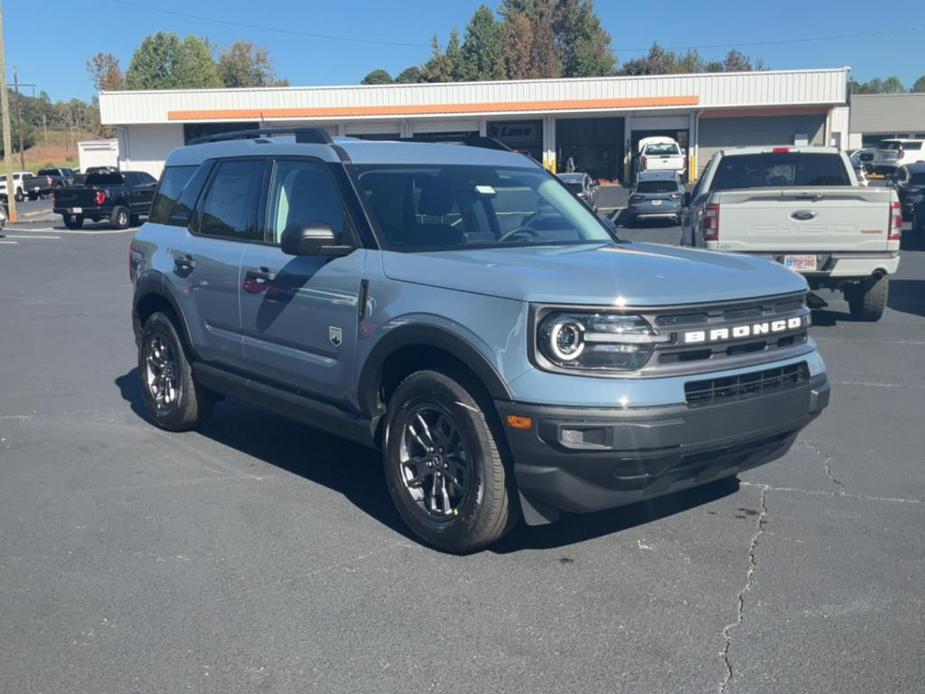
(738, 332)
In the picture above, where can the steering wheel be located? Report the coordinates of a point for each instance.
(532, 233)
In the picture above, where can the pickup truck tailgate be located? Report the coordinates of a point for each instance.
(76, 196)
(817, 219)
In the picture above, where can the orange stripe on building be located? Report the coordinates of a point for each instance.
(433, 109)
(758, 112)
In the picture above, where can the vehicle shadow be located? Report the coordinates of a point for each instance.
(356, 473)
(907, 296)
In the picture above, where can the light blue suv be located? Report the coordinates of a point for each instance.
(462, 310)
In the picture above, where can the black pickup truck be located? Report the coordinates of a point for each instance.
(120, 197)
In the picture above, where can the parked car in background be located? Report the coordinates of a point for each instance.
(897, 152)
(863, 158)
(457, 309)
(660, 154)
(918, 214)
(909, 182)
(583, 186)
(802, 207)
(656, 195)
(25, 184)
(860, 172)
(119, 197)
(49, 179)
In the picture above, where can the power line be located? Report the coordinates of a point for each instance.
(778, 42)
(261, 27)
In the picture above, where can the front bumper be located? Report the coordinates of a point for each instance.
(581, 460)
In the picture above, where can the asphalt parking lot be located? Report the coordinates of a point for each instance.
(258, 555)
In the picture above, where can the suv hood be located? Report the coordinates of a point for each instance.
(633, 274)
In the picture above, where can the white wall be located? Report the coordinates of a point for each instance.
(98, 153)
(145, 147)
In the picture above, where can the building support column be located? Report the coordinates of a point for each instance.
(549, 143)
(483, 127)
(406, 130)
(627, 150)
(693, 147)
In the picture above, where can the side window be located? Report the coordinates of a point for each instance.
(144, 178)
(304, 193)
(131, 179)
(182, 213)
(172, 181)
(230, 206)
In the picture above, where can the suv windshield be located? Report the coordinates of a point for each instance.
(667, 148)
(780, 170)
(426, 207)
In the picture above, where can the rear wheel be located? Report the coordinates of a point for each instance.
(73, 221)
(120, 217)
(867, 300)
(443, 465)
(171, 396)
(19, 196)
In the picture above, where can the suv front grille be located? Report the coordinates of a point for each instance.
(718, 390)
(679, 355)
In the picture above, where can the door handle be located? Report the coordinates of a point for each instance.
(256, 280)
(184, 264)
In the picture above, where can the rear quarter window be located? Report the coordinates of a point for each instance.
(173, 180)
(105, 179)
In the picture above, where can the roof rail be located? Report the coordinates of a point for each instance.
(314, 136)
(468, 141)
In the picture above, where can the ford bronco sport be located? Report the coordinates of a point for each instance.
(462, 310)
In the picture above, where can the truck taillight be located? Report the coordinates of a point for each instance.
(781, 150)
(711, 223)
(895, 231)
(100, 198)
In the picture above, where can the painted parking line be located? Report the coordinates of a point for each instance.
(31, 238)
(9, 243)
(73, 232)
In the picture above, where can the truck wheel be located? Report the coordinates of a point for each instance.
(73, 221)
(19, 196)
(867, 300)
(443, 465)
(134, 220)
(172, 398)
(120, 217)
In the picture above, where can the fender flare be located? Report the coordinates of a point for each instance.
(424, 336)
(152, 283)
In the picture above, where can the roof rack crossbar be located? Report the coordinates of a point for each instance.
(315, 136)
(467, 140)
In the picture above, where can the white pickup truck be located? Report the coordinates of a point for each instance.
(660, 154)
(803, 207)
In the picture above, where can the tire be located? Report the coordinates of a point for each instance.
(172, 399)
(33, 196)
(120, 217)
(18, 195)
(73, 221)
(868, 299)
(481, 508)
(134, 220)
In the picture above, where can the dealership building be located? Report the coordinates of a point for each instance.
(597, 121)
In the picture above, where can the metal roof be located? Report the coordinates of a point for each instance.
(507, 98)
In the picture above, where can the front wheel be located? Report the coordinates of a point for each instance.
(443, 465)
(120, 217)
(19, 196)
(171, 396)
(867, 300)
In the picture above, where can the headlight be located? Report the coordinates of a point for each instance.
(596, 341)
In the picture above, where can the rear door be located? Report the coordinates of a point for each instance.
(143, 192)
(300, 314)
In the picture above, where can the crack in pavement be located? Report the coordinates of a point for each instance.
(749, 578)
(827, 464)
(840, 495)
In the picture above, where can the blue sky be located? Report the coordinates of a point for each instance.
(52, 54)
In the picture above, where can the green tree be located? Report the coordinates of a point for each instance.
(105, 73)
(444, 66)
(919, 85)
(483, 47)
(163, 61)
(891, 85)
(377, 77)
(583, 43)
(246, 64)
(518, 41)
(409, 75)
(658, 61)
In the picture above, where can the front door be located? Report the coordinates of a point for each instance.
(299, 314)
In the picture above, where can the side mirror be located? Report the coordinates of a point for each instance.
(312, 239)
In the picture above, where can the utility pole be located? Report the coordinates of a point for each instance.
(22, 153)
(7, 139)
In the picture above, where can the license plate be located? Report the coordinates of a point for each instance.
(656, 203)
(800, 263)
(77, 210)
